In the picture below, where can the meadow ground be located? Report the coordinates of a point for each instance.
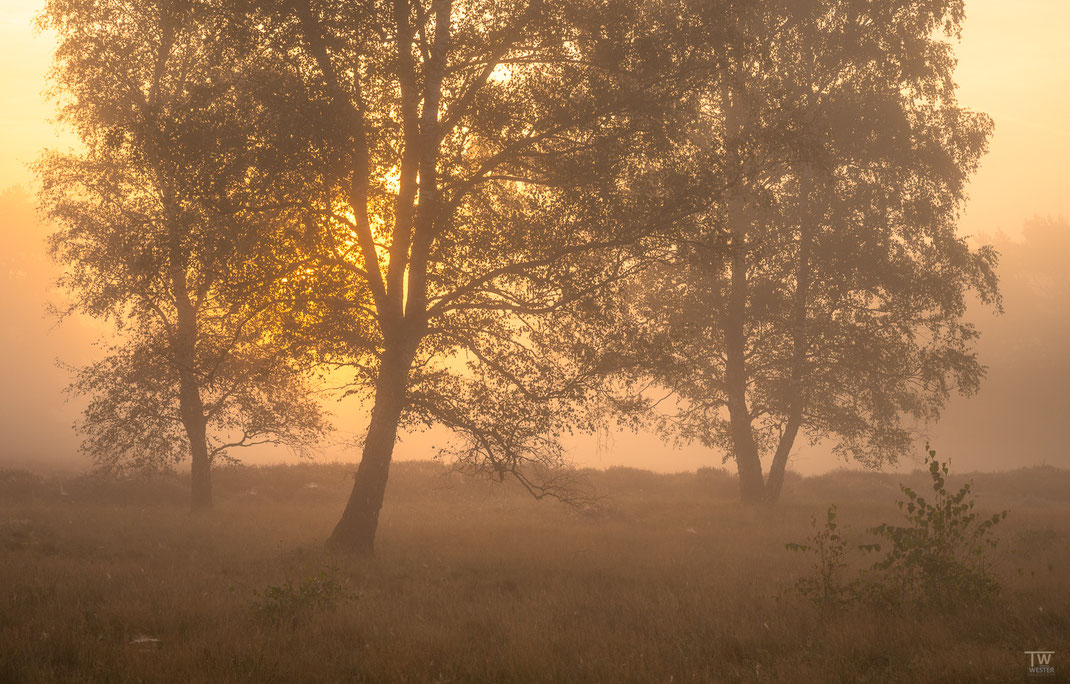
(671, 580)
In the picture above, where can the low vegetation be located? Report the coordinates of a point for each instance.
(669, 580)
(828, 549)
(940, 560)
(292, 602)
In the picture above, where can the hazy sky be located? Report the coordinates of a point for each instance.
(1014, 64)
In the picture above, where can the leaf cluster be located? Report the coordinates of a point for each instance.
(938, 561)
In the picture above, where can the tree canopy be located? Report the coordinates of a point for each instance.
(497, 215)
(475, 170)
(826, 294)
(166, 230)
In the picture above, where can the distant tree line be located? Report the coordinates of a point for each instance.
(515, 219)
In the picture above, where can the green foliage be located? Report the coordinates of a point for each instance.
(939, 558)
(829, 548)
(290, 602)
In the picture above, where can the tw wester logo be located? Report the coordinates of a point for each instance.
(1040, 663)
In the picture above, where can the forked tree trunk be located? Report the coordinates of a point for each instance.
(799, 336)
(355, 532)
(744, 447)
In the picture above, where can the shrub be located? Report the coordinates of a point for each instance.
(290, 602)
(939, 558)
(829, 548)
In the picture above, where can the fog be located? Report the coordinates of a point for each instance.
(1014, 420)
(1008, 61)
(534, 340)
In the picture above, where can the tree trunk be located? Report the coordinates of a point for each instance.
(200, 468)
(191, 406)
(744, 447)
(780, 461)
(799, 338)
(184, 347)
(355, 532)
(196, 425)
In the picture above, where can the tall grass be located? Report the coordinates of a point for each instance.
(669, 580)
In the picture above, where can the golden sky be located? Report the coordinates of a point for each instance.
(1014, 64)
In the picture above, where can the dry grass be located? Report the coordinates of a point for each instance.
(670, 581)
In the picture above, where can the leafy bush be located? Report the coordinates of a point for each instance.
(939, 558)
(829, 548)
(292, 602)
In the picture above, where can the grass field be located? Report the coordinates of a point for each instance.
(670, 580)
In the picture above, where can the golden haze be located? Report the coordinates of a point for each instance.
(1014, 64)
